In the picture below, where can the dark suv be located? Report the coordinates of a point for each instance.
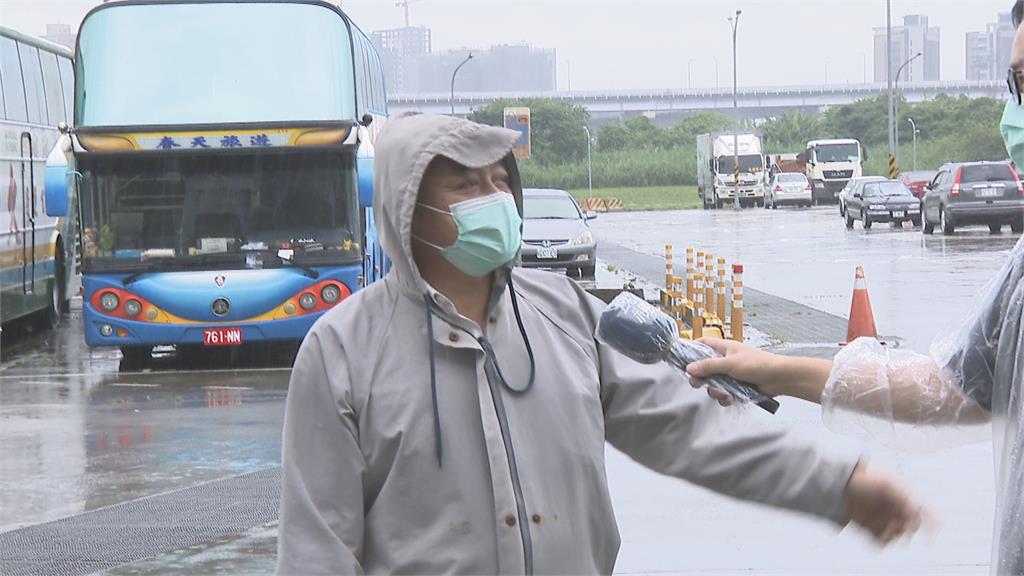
(974, 193)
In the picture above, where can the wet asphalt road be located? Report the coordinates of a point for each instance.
(918, 284)
(78, 433)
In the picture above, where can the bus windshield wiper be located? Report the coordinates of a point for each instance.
(155, 266)
(312, 273)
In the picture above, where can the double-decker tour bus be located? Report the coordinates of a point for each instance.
(224, 154)
(36, 250)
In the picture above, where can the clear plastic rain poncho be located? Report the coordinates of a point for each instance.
(974, 375)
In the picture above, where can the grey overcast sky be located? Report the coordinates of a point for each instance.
(648, 44)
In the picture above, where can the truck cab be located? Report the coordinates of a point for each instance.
(717, 172)
(831, 164)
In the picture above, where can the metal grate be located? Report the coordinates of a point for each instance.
(109, 537)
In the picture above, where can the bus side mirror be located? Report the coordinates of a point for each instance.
(364, 167)
(55, 182)
(864, 152)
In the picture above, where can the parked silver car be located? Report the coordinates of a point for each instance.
(556, 234)
(788, 188)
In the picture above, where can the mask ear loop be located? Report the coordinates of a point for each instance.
(427, 242)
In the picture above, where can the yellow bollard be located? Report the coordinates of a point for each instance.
(698, 307)
(721, 298)
(668, 267)
(674, 299)
(677, 302)
(700, 264)
(737, 303)
(709, 284)
(690, 253)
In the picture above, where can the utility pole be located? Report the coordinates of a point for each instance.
(735, 109)
(896, 106)
(451, 98)
(913, 126)
(590, 170)
(888, 79)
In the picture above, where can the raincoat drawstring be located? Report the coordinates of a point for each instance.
(433, 381)
(485, 344)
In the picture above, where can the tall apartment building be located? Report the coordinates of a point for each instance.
(988, 52)
(913, 36)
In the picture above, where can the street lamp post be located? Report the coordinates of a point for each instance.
(913, 126)
(896, 105)
(888, 72)
(689, 74)
(590, 171)
(735, 21)
(451, 98)
(826, 72)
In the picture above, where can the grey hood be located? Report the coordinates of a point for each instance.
(405, 147)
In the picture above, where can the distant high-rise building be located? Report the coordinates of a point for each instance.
(979, 56)
(410, 66)
(505, 68)
(60, 34)
(988, 52)
(915, 35)
(400, 50)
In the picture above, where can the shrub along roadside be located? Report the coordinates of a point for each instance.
(629, 168)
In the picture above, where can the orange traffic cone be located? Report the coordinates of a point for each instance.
(862, 319)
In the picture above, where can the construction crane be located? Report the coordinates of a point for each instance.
(405, 4)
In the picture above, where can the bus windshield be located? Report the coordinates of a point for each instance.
(170, 64)
(837, 152)
(749, 163)
(140, 208)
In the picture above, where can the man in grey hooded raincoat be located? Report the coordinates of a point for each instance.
(451, 418)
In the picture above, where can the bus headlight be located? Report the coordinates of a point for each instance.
(109, 301)
(307, 301)
(330, 294)
(132, 307)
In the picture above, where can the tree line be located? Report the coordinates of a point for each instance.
(636, 152)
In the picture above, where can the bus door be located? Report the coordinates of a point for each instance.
(28, 216)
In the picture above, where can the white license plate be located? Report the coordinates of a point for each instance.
(899, 214)
(547, 253)
(988, 192)
(222, 337)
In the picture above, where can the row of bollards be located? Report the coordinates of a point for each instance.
(699, 302)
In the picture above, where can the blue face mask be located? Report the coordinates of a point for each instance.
(490, 233)
(1012, 127)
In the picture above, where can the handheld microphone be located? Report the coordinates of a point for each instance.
(647, 335)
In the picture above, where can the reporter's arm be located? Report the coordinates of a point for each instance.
(866, 378)
(775, 375)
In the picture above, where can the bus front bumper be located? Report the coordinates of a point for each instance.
(137, 333)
